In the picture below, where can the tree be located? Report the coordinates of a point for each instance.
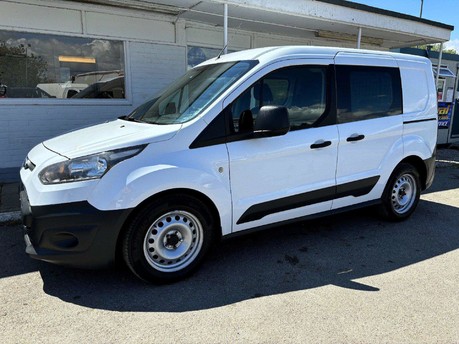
(436, 47)
(20, 69)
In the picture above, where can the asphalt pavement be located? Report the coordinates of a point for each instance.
(350, 278)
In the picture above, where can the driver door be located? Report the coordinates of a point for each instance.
(279, 178)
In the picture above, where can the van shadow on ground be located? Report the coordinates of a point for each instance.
(331, 251)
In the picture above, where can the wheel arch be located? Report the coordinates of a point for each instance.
(178, 191)
(420, 166)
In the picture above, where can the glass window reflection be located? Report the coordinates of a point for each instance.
(51, 66)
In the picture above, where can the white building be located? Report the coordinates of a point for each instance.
(126, 50)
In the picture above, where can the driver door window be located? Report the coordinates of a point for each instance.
(301, 89)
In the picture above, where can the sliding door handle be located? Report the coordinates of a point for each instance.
(320, 144)
(355, 137)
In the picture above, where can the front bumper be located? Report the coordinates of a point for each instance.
(73, 234)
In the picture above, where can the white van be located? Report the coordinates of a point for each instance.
(243, 141)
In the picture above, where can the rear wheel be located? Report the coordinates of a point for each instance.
(168, 238)
(401, 194)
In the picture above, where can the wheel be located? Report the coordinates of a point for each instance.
(168, 238)
(402, 192)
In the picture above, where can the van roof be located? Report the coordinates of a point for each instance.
(273, 53)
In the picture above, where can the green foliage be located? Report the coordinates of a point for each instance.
(436, 47)
(20, 68)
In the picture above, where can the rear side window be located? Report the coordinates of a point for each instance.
(367, 92)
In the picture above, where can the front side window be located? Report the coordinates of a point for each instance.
(36, 65)
(367, 92)
(192, 93)
(301, 89)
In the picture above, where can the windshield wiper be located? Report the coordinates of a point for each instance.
(130, 119)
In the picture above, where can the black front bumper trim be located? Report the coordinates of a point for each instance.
(74, 234)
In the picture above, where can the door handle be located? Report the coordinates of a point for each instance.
(355, 137)
(320, 144)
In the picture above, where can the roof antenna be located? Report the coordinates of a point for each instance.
(227, 42)
(221, 51)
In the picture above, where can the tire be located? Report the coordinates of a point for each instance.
(401, 194)
(168, 238)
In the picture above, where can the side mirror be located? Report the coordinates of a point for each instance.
(272, 121)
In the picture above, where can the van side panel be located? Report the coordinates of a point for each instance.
(415, 87)
(419, 107)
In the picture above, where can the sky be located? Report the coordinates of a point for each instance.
(443, 11)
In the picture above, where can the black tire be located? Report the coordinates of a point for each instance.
(168, 238)
(401, 194)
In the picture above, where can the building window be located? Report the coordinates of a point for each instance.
(197, 55)
(50, 66)
(440, 89)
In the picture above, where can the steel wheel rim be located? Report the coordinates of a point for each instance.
(173, 241)
(403, 194)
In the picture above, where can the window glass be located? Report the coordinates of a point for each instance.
(192, 93)
(279, 89)
(301, 89)
(367, 92)
(50, 66)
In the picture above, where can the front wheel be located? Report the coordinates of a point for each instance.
(401, 194)
(168, 238)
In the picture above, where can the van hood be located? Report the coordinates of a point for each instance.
(108, 136)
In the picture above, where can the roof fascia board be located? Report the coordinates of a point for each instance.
(367, 8)
(349, 13)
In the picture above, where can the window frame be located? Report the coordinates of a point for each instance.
(126, 101)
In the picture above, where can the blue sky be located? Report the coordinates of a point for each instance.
(443, 11)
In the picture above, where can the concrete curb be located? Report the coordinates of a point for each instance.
(12, 217)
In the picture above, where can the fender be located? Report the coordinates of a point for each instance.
(417, 140)
(143, 182)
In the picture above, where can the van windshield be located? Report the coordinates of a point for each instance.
(191, 94)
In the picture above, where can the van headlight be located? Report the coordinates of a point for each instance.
(87, 167)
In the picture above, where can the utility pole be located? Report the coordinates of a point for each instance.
(422, 5)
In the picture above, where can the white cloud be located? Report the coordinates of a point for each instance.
(453, 44)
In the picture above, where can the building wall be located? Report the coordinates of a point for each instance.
(155, 54)
(150, 45)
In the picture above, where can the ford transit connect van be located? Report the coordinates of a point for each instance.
(243, 141)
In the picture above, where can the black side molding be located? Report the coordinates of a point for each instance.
(420, 120)
(357, 188)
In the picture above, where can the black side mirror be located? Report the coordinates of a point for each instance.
(272, 121)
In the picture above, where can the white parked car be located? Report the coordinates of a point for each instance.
(62, 90)
(243, 141)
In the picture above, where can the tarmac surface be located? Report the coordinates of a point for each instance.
(350, 278)
(9, 202)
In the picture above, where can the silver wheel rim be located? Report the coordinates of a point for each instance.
(173, 241)
(403, 194)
